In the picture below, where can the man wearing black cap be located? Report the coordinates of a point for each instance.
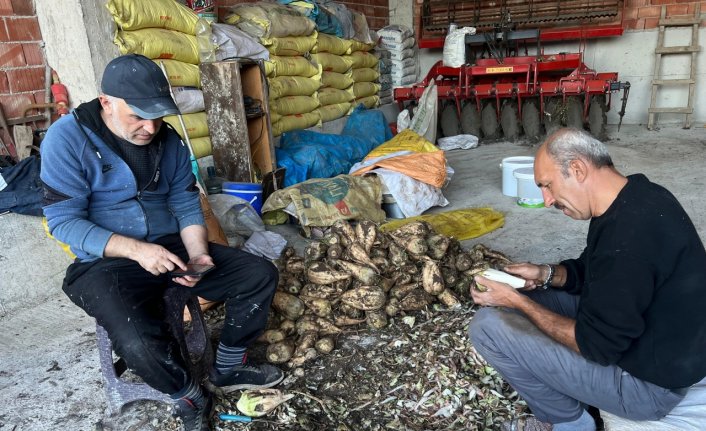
(119, 190)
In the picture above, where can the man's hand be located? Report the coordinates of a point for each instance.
(157, 259)
(152, 257)
(190, 280)
(533, 274)
(556, 326)
(497, 295)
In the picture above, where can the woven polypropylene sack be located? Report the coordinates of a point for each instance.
(332, 62)
(365, 74)
(159, 43)
(331, 96)
(196, 124)
(281, 86)
(139, 14)
(337, 80)
(290, 105)
(181, 74)
(334, 112)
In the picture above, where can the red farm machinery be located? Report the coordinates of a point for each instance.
(509, 85)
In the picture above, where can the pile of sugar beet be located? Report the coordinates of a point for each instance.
(356, 276)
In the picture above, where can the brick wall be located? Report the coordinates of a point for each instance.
(376, 11)
(22, 60)
(644, 14)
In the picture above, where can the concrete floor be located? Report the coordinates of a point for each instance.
(49, 369)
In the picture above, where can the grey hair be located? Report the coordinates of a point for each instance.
(570, 144)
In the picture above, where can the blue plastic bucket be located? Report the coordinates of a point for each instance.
(250, 192)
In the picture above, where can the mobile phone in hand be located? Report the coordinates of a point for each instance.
(193, 270)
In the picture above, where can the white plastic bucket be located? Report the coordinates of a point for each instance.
(528, 194)
(508, 165)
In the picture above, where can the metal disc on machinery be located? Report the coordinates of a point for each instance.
(470, 119)
(489, 121)
(574, 112)
(552, 115)
(531, 122)
(509, 120)
(597, 118)
(450, 124)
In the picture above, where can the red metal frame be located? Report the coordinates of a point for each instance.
(551, 35)
(542, 76)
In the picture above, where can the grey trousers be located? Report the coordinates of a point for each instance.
(556, 382)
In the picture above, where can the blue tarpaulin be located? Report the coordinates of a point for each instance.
(306, 154)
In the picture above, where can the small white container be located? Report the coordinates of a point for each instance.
(528, 194)
(508, 166)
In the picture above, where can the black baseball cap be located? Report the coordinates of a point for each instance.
(141, 83)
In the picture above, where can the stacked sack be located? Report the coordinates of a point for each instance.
(399, 41)
(385, 78)
(168, 33)
(293, 80)
(336, 92)
(365, 74)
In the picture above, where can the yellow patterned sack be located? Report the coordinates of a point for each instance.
(296, 122)
(337, 80)
(159, 43)
(196, 124)
(365, 74)
(369, 102)
(139, 14)
(181, 74)
(332, 62)
(406, 140)
(331, 96)
(268, 20)
(332, 44)
(290, 45)
(292, 66)
(322, 201)
(289, 105)
(362, 59)
(357, 45)
(365, 89)
(461, 224)
(269, 68)
(334, 112)
(202, 146)
(281, 86)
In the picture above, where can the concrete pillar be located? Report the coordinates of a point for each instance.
(78, 36)
(402, 12)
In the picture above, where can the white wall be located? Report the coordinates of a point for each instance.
(78, 43)
(631, 55)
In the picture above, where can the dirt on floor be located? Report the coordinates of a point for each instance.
(418, 373)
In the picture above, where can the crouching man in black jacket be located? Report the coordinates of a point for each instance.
(622, 327)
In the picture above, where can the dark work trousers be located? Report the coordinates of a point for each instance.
(127, 301)
(556, 382)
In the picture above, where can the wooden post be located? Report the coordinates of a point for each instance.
(227, 124)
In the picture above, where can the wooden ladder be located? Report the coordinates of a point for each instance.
(661, 50)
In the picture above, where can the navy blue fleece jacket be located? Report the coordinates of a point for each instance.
(91, 193)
